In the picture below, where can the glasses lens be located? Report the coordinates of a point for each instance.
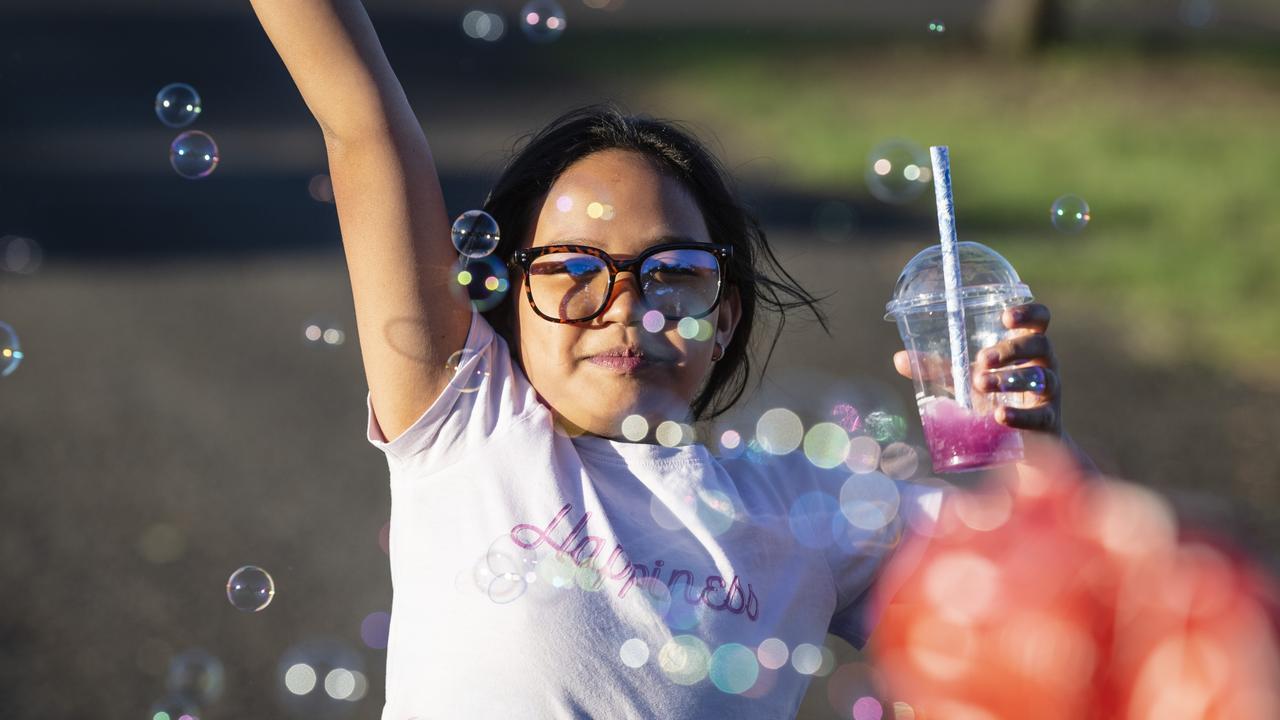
(681, 283)
(568, 286)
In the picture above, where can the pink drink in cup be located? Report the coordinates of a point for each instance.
(959, 438)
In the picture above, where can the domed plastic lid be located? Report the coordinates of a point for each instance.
(986, 279)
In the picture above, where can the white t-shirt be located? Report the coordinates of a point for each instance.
(541, 576)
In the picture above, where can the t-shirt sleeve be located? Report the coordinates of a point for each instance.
(867, 546)
(487, 393)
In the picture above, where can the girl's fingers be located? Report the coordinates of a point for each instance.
(1032, 347)
(930, 365)
(1027, 379)
(1043, 418)
(902, 363)
(1032, 316)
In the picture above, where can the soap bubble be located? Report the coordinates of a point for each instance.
(886, 427)
(250, 588)
(320, 678)
(193, 154)
(482, 25)
(826, 445)
(177, 105)
(374, 630)
(174, 707)
(1196, 13)
(1070, 213)
(685, 659)
(475, 233)
(19, 254)
(834, 221)
(779, 431)
(734, 668)
(462, 376)
(10, 350)
(635, 428)
(899, 461)
(687, 328)
(847, 417)
(863, 455)
(542, 20)
(481, 281)
(653, 321)
(634, 653)
(320, 188)
(898, 171)
(195, 675)
(322, 332)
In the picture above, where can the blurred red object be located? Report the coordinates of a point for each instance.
(1043, 594)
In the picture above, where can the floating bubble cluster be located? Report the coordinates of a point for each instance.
(322, 332)
(481, 25)
(898, 171)
(1069, 214)
(178, 105)
(674, 434)
(320, 678)
(480, 281)
(699, 329)
(10, 350)
(250, 589)
(542, 21)
(475, 234)
(193, 154)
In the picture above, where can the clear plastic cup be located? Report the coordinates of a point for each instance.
(959, 438)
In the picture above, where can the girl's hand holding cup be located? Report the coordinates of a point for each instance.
(1024, 365)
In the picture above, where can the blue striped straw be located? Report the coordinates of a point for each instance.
(951, 273)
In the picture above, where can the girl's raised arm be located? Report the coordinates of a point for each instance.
(395, 228)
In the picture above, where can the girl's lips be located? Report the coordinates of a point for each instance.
(619, 363)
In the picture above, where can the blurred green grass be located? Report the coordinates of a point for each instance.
(1175, 150)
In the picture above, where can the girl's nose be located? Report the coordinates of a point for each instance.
(625, 304)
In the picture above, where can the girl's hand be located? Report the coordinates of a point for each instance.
(1030, 348)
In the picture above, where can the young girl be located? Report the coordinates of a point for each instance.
(543, 566)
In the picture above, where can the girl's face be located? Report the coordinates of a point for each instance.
(617, 201)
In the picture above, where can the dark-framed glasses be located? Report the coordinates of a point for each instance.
(573, 283)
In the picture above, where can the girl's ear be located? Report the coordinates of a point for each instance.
(728, 313)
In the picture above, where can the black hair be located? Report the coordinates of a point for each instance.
(519, 192)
